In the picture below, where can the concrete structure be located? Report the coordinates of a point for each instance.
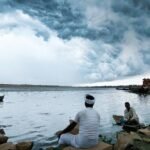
(146, 82)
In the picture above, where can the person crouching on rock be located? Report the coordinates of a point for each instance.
(130, 116)
(88, 121)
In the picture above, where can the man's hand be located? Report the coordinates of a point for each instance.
(67, 129)
(59, 133)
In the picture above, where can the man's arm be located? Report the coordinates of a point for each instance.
(126, 117)
(68, 128)
(134, 116)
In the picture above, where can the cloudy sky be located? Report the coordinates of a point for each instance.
(66, 42)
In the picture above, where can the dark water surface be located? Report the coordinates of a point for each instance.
(38, 115)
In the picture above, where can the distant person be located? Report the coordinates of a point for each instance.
(88, 121)
(130, 116)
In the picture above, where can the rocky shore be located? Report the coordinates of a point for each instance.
(4, 145)
(139, 89)
(139, 140)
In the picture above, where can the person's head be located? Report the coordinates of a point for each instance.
(89, 100)
(127, 105)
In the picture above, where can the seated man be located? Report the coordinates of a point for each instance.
(130, 116)
(88, 121)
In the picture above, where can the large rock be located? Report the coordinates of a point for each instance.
(129, 128)
(3, 139)
(124, 139)
(50, 148)
(7, 146)
(2, 131)
(100, 146)
(145, 131)
(24, 145)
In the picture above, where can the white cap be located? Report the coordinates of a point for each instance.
(89, 101)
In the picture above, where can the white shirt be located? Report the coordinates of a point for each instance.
(131, 114)
(89, 122)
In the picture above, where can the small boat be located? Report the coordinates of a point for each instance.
(1, 98)
(118, 119)
(126, 88)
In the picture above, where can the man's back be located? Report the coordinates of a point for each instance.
(89, 121)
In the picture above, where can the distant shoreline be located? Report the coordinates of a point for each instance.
(29, 87)
(61, 86)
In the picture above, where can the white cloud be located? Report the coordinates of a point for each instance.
(27, 58)
(17, 19)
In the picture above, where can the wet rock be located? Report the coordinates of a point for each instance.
(3, 139)
(145, 131)
(124, 139)
(7, 146)
(129, 128)
(50, 148)
(143, 144)
(2, 131)
(24, 145)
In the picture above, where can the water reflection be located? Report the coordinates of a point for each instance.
(144, 97)
(1, 104)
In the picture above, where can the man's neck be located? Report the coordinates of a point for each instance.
(128, 109)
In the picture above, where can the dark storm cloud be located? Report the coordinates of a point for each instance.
(136, 13)
(68, 22)
(132, 8)
(60, 15)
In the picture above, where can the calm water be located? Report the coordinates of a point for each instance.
(38, 115)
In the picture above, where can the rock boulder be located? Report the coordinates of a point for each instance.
(124, 139)
(3, 139)
(7, 146)
(145, 131)
(2, 131)
(24, 145)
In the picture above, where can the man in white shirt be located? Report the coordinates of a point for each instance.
(130, 116)
(88, 121)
